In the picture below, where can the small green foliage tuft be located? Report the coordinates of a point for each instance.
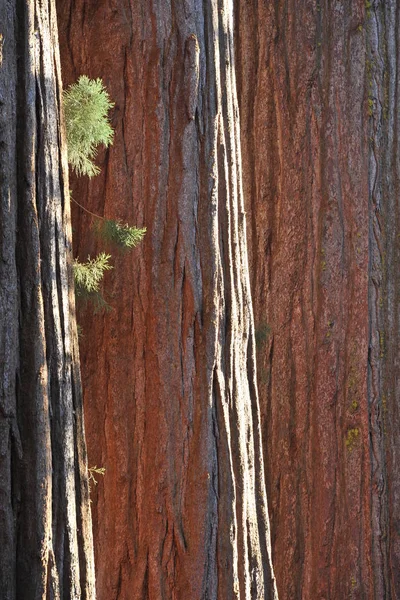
(86, 104)
(123, 235)
(88, 277)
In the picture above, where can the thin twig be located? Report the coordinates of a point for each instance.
(87, 210)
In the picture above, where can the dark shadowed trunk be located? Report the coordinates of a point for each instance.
(170, 384)
(45, 524)
(319, 96)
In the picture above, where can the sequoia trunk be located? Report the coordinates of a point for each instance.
(45, 524)
(170, 385)
(319, 98)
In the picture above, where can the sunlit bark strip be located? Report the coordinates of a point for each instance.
(45, 523)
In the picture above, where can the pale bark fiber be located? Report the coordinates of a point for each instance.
(170, 383)
(319, 102)
(45, 525)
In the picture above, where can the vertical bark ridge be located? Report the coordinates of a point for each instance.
(44, 473)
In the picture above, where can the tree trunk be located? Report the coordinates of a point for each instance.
(169, 374)
(319, 97)
(45, 524)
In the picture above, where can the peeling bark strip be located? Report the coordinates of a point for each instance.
(171, 396)
(45, 524)
(319, 103)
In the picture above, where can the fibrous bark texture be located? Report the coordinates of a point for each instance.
(319, 95)
(45, 525)
(169, 374)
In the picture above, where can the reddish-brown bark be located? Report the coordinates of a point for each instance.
(170, 391)
(318, 96)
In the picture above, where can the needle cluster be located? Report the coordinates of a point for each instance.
(86, 106)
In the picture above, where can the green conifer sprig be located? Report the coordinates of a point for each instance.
(88, 276)
(86, 105)
(123, 235)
